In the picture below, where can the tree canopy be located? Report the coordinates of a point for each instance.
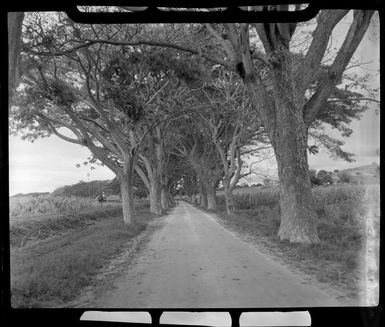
(147, 99)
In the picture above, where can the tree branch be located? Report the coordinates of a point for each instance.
(143, 176)
(157, 92)
(88, 43)
(326, 21)
(90, 144)
(63, 137)
(147, 164)
(237, 175)
(352, 40)
(95, 122)
(107, 144)
(225, 45)
(353, 99)
(63, 124)
(117, 136)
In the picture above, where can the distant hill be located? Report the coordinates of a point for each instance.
(91, 189)
(371, 169)
(94, 188)
(19, 195)
(368, 174)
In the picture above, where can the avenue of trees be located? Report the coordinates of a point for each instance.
(182, 106)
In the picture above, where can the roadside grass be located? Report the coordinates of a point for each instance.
(47, 204)
(24, 232)
(53, 271)
(343, 215)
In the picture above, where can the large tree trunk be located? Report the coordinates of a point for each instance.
(289, 138)
(298, 218)
(127, 195)
(155, 198)
(15, 20)
(283, 119)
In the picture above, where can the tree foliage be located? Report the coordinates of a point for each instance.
(141, 97)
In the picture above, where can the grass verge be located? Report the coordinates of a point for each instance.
(53, 271)
(345, 214)
(334, 261)
(24, 232)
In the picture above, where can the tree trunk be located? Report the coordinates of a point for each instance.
(171, 199)
(155, 198)
(157, 172)
(228, 196)
(284, 122)
(298, 218)
(203, 200)
(202, 197)
(164, 198)
(229, 201)
(289, 139)
(127, 195)
(211, 198)
(15, 21)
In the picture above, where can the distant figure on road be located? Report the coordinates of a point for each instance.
(102, 197)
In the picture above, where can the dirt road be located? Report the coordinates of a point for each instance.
(193, 261)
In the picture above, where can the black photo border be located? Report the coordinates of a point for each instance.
(327, 316)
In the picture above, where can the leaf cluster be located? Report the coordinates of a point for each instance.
(59, 93)
(126, 72)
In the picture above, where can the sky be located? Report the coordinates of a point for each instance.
(47, 164)
(50, 163)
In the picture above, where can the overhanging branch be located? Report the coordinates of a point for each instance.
(353, 38)
(88, 43)
(63, 137)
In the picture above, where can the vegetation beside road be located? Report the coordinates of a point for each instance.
(52, 271)
(48, 204)
(344, 213)
(24, 230)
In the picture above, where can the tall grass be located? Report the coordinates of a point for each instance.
(46, 204)
(345, 206)
(348, 202)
